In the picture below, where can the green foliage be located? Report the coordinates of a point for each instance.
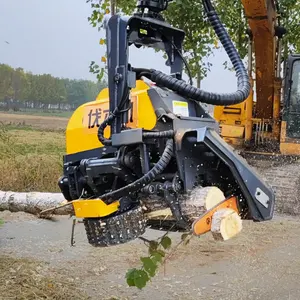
(1, 222)
(18, 85)
(158, 254)
(166, 242)
(187, 15)
(290, 19)
(200, 38)
(233, 15)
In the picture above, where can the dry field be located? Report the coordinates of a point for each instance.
(31, 149)
(38, 122)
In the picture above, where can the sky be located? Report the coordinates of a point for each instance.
(55, 37)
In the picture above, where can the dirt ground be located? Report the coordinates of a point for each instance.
(263, 262)
(40, 122)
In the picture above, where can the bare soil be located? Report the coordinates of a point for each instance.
(263, 262)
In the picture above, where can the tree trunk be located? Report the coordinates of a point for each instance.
(199, 80)
(192, 206)
(113, 7)
(33, 202)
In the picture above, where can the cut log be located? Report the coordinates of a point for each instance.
(226, 223)
(33, 202)
(159, 214)
(193, 205)
(200, 200)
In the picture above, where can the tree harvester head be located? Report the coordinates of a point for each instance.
(146, 144)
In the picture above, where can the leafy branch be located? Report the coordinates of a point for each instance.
(97, 19)
(159, 252)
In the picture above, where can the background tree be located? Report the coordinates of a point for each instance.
(187, 15)
(232, 14)
(44, 91)
(200, 39)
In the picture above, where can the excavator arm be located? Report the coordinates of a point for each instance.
(261, 15)
(259, 121)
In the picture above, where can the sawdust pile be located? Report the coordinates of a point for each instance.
(26, 279)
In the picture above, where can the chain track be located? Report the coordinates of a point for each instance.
(118, 229)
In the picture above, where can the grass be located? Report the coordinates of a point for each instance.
(26, 279)
(31, 158)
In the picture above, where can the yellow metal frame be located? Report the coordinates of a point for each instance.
(82, 129)
(94, 208)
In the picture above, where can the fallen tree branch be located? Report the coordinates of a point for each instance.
(34, 202)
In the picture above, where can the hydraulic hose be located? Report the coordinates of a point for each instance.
(179, 86)
(103, 125)
(158, 168)
(159, 134)
(146, 135)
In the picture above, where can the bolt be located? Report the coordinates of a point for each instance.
(118, 77)
(151, 189)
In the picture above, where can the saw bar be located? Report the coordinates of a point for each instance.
(203, 224)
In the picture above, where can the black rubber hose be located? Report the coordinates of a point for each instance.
(103, 125)
(158, 168)
(159, 134)
(194, 93)
(146, 135)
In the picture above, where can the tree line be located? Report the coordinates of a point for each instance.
(22, 89)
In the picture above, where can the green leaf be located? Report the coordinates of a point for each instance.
(140, 279)
(149, 265)
(130, 277)
(101, 74)
(103, 6)
(161, 252)
(157, 256)
(166, 242)
(153, 245)
(184, 236)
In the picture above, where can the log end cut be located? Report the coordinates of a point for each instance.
(226, 223)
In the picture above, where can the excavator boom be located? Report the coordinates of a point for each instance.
(261, 15)
(257, 123)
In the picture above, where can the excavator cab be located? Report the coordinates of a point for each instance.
(291, 100)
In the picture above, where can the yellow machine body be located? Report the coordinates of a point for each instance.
(288, 146)
(94, 208)
(232, 120)
(82, 128)
(81, 135)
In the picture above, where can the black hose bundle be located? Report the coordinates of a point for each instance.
(158, 168)
(196, 94)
